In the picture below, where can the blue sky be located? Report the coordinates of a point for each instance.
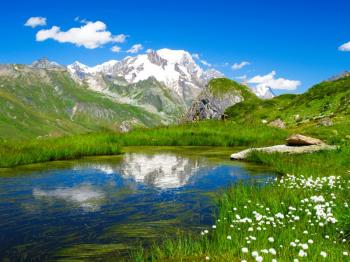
(297, 39)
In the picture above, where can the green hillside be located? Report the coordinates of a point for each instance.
(222, 86)
(37, 102)
(152, 95)
(327, 100)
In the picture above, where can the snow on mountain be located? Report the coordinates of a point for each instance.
(79, 71)
(263, 92)
(175, 68)
(105, 68)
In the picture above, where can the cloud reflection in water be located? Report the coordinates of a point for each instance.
(83, 196)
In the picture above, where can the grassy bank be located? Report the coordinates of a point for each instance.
(211, 133)
(303, 216)
(293, 218)
(206, 133)
(64, 148)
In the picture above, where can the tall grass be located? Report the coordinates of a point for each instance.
(206, 133)
(271, 236)
(63, 148)
(210, 133)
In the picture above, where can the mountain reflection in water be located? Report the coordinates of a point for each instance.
(67, 211)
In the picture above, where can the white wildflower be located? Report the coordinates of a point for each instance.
(244, 250)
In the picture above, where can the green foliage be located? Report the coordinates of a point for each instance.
(327, 99)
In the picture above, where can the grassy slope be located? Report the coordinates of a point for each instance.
(327, 99)
(151, 92)
(34, 103)
(221, 86)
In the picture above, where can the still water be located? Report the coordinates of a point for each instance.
(101, 207)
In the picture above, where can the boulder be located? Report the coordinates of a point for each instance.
(325, 122)
(300, 140)
(128, 125)
(277, 123)
(283, 149)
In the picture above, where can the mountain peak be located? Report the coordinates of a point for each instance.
(263, 92)
(44, 63)
(106, 67)
(176, 69)
(79, 70)
(175, 56)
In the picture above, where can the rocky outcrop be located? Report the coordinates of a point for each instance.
(277, 123)
(296, 144)
(44, 63)
(300, 140)
(128, 125)
(210, 105)
(325, 122)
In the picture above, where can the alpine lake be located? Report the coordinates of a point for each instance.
(101, 208)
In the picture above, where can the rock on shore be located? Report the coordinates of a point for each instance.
(296, 144)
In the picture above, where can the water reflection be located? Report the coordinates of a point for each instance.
(84, 196)
(114, 200)
(161, 171)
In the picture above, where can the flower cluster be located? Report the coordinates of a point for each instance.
(309, 217)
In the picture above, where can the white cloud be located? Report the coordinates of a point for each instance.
(116, 49)
(237, 66)
(90, 35)
(120, 38)
(135, 49)
(36, 21)
(345, 47)
(269, 80)
(202, 61)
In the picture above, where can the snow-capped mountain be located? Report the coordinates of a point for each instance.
(176, 69)
(263, 92)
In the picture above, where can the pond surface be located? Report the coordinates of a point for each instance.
(98, 208)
